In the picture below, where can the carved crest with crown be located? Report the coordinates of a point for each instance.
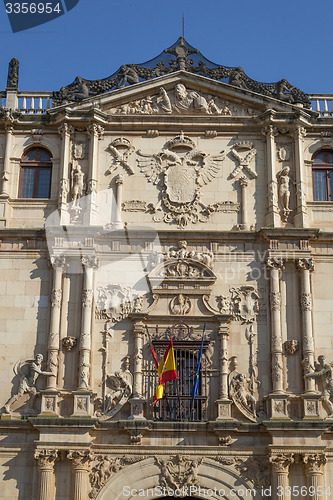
(180, 170)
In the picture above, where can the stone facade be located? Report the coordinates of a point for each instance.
(180, 201)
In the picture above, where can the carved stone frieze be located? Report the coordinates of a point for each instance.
(244, 152)
(245, 302)
(179, 471)
(105, 467)
(180, 170)
(183, 101)
(121, 149)
(180, 331)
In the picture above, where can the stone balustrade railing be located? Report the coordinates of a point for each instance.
(323, 104)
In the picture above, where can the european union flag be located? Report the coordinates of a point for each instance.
(195, 387)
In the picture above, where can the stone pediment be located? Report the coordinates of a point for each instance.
(181, 93)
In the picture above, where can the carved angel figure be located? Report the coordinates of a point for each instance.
(323, 371)
(28, 372)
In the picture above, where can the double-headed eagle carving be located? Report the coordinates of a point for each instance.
(181, 173)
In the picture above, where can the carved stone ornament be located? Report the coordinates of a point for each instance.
(224, 304)
(180, 331)
(177, 59)
(323, 372)
(180, 305)
(80, 150)
(69, 343)
(314, 463)
(56, 296)
(245, 301)
(119, 389)
(306, 264)
(283, 179)
(244, 152)
(46, 458)
(241, 394)
(283, 153)
(225, 440)
(256, 470)
(183, 101)
(87, 298)
(180, 471)
(105, 467)
(134, 206)
(121, 149)
(115, 302)
(275, 263)
(13, 74)
(291, 346)
(306, 301)
(80, 459)
(281, 462)
(36, 134)
(275, 300)
(180, 170)
(27, 372)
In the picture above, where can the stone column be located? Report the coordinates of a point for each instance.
(119, 199)
(81, 461)
(272, 217)
(278, 398)
(223, 402)
(96, 133)
(243, 182)
(301, 216)
(46, 478)
(83, 393)
(7, 161)
(65, 132)
(137, 399)
(314, 464)
(280, 475)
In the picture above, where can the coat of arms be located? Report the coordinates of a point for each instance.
(180, 169)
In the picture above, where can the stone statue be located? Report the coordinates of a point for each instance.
(12, 80)
(81, 89)
(236, 77)
(28, 372)
(281, 87)
(129, 75)
(77, 184)
(323, 371)
(284, 192)
(120, 386)
(239, 386)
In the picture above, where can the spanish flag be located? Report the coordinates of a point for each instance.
(166, 371)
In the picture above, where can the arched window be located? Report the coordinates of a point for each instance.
(323, 175)
(35, 176)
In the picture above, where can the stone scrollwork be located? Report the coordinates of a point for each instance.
(27, 371)
(105, 467)
(180, 170)
(121, 149)
(179, 471)
(245, 302)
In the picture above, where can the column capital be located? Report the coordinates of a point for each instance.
(270, 131)
(119, 179)
(95, 130)
(275, 263)
(243, 181)
(80, 459)
(305, 264)
(46, 458)
(314, 463)
(65, 129)
(299, 133)
(89, 261)
(281, 462)
(58, 261)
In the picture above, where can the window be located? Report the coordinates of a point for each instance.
(323, 175)
(35, 176)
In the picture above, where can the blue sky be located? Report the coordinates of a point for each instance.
(270, 39)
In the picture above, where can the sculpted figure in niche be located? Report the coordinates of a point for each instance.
(284, 192)
(28, 373)
(323, 372)
(77, 184)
